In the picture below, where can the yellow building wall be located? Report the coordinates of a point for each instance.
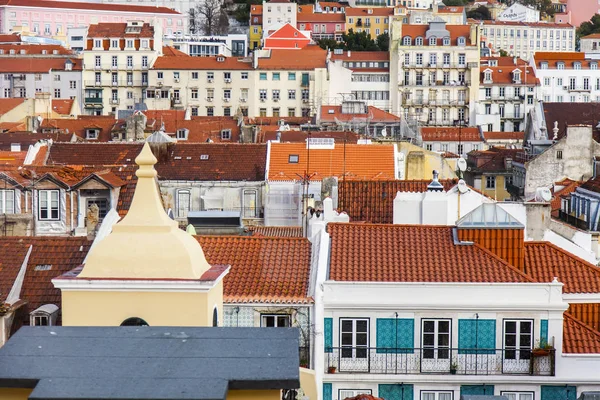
(254, 395)
(254, 38)
(382, 26)
(15, 394)
(499, 193)
(111, 308)
(420, 163)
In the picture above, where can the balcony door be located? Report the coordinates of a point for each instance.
(435, 345)
(354, 343)
(518, 335)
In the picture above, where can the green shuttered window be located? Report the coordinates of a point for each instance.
(476, 336)
(395, 335)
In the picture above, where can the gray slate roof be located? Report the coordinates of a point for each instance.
(158, 363)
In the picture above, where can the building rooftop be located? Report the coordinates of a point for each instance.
(263, 269)
(24, 64)
(291, 161)
(275, 231)
(578, 338)
(456, 31)
(34, 49)
(74, 5)
(307, 58)
(369, 11)
(373, 114)
(186, 362)
(369, 253)
(505, 75)
(451, 134)
(572, 114)
(186, 62)
(121, 29)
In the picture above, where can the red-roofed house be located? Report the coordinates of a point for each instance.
(358, 117)
(322, 21)
(286, 37)
(455, 139)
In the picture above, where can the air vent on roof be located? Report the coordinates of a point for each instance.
(204, 156)
(43, 267)
(220, 59)
(320, 143)
(338, 51)
(177, 158)
(330, 111)
(188, 158)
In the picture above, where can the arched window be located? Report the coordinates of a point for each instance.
(406, 41)
(446, 41)
(215, 317)
(419, 41)
(432, 41)
(461, 41)
(134, 321)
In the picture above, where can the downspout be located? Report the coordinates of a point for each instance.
(71, 208)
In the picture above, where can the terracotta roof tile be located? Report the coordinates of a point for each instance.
(455, 31)
(504, 75)
(374, 115)
(119, 29)
(62, 106)
(504, 135)
(373, 201)
(267, 134)
(14, 158)
(24, 64)
(451, 134)
(10, 38)
(12, 127)
(35, 49)
(578, 338)
(274, 121)
(78, 126)
(263, 269)
(276, 231)
(28, 138)
(411, 253)
(362, 56)
(592, 36)
(492, 160)
(88, 6)
(352, 161)
(544, 261)
(307, 58)
(566, 189)
(234, 162)
(572, 114)
(187, 62)
(7, 104)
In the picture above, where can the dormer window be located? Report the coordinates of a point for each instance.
(406, 41)
(487, 76)
(45, 315)
(68, 65)
(98, 43)
(92, 134)
(182, 134)
(419, 41)
(560, 65)
(593, 65)
(226, 134)
(446, 41)
(432, 41)
(129, 43)
(577, 65)
(221, 59)
(544, 65)
(461, 41)
(12, 51)
(493, 63)
(114, 43)
(517, 76)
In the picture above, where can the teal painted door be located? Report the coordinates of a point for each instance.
(544, 331)
(396, 392)
(476, 336)
(327, 391)
(395, 335)
(559, 392)
(478, 390)
(328, 334)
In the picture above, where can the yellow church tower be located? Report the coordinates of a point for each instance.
(146, 271)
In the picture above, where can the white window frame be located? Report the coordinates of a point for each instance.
(445, 354)
(518, 395)
(277, 319)
(226, 134)
(39, 318)
(181, 211)
(436, 394)
(346, 393)
(492, 179)
(354, 347)
(48, 194)
(4, 194)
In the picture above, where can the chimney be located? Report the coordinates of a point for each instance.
(434, 210)
(435, 185)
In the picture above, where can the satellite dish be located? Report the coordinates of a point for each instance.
(461, 163)
(384, 132)
(543, 194)
(462, 186)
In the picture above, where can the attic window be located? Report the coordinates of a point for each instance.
(446, 41)
(419, 41)
(43, 267)
(204, 156)
(560, 65)
(577, 65)
(226, 134)
(406, 41)
(293, 159)
(221, 59)
(44, 51)
(182, 134)
(461, 41)
(493, 63)
(432, 41)
(92, 134)
(544, 65)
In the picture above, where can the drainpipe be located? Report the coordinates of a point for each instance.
(71, 222)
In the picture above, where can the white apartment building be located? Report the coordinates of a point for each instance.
(519, 13)
(116, 63)
(523, 39)
(590, 44)
(435, 69)
(567, 77)
(275, 83)
(508, 90)
(232, 45)
(277, 13)
(24, 76)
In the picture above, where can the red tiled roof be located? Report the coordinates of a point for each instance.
(568, 58)
(578, 338)
(455, 31)
(14, 158)
(364, 12)
(187, 62)
(569, 187)
(72, 5)
(276, 231)
(300, 136)
(228, 162)
(8, 104)
(373, 201)
(78, 126)
(12, 126)
(505, 61)
(275, 120)
(27, 138)
(504, 75)
(256, 9)
(12, 256)
(173, 52)
(307, 58)
(306, 14)
(572, 114)
(541, 24)
(362, 56)
(35, 49)
(119, 29)
(352, 161)
(369, 252)
(544, 261)
(287, 31)
(10, 38)
(504, 135)
(450, 134)
(263, 269)
(26, 64)
(374, 114)
(591, 36)
(492, 160)
(62, 106)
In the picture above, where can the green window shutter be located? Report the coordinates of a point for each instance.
(395, 335)
(477, 390)
(305, 79)
(559, 392)
(328, 334)
(486, 336)
(396, 392)
(544, 331)
(327, 391)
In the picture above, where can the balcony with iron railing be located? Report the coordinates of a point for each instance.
(426, 83)
(441, 65)
(579, 88)
(573, 220)
(404, 361)
(442, 102)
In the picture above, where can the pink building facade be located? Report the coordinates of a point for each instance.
(323, 24)
(578, 11)
(48, 18)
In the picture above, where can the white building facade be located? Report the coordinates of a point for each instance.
(277, 13)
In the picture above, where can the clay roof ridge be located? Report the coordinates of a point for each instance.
(507, 264)
(570, 318)
(566, 253)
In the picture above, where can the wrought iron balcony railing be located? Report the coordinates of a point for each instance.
(439, 361)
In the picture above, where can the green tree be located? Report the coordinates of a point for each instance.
(455, 2)
(383, 41)
(330, 44)
(480, 13)
(358, 41)
(503, 53)
(589, 27)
